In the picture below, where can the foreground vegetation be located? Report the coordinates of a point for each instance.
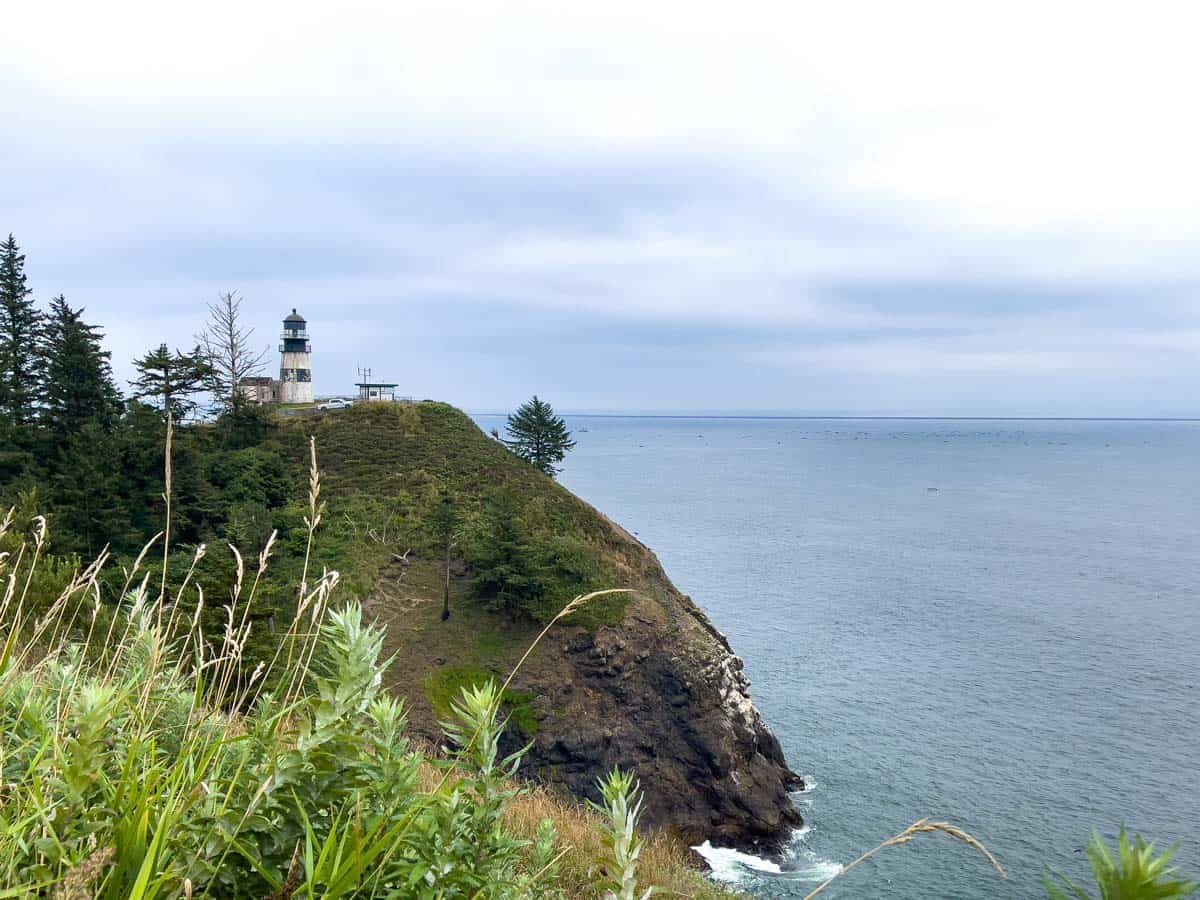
(141, 760)
(1136, 872)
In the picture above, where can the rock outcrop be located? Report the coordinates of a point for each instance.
(674, 706)
(664, 695)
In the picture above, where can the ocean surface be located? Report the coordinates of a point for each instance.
(991, 622)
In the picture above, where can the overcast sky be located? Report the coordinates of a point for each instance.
(908, 208)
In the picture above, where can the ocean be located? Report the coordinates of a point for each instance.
(993, 623)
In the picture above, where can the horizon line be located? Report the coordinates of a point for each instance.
(893, 418)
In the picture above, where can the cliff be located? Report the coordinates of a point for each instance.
(643, 681)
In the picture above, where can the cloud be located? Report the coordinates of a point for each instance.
(702, 202)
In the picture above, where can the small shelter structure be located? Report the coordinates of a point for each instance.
(376, 391)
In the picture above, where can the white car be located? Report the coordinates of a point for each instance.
(336, 403)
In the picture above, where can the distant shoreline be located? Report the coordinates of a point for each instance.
(867, 418)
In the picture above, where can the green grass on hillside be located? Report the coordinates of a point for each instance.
(444, 686)
(386, 465)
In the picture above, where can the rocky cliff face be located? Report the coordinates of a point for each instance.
(664, 694)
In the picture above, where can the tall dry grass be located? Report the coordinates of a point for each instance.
(665, 863)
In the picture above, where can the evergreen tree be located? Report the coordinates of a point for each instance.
(20, 333)
(538, 436)
(170, 380)
(503, 554)
(91, 493)
(79, 384)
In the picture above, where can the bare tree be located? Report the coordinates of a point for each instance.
(444, 526)
(226, 348)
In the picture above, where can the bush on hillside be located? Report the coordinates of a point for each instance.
(519, 570)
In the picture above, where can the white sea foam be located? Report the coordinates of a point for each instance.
(732, 866)
(810, 785)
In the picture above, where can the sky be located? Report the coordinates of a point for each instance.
(854, 208)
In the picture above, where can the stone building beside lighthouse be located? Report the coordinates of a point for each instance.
(295, 361)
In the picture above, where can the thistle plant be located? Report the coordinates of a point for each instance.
(621, 807)
(1135, 873)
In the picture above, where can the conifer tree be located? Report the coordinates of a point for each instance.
(504, 557)
(20, 333)
(170, 380)
(91, 493)
(79, 385)
(538, 436)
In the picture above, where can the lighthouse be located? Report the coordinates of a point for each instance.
(295, 361)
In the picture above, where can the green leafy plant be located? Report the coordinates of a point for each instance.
(622, 807)
(1134, 873)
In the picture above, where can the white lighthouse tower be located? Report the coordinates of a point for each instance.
(295, 361)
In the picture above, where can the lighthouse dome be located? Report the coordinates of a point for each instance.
(294, 317)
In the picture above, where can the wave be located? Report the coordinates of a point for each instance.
(800, 864)
(731, 865)
(810, 785)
